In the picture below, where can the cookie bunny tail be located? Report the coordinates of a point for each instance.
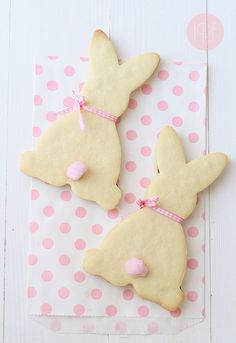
(76, 170)
(135, 267)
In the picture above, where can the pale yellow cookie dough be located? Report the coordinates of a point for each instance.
(153, 238)
(98, 146)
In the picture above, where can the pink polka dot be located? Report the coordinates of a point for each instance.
(162, 105)
(177, 121)
(52, 58)
(38, 100)
(46, 309)
(64, 260)
(84, 58)
(31, 292)
(33, 226)
(47, 276)
(152, 327)
(121, 327)
(65, 227)
(55, 325)
(176, 313)
(96, 293)
(51, 116)
(192, 263)
(146, 151)
(66, 195)
(131, 135)
(69, 71)
(129, 198)
(178, 63)
(132, 104)
(80, 244)
(163, 74)
(128, 294)
(194, 75)
(63, 293)
(111, 310)
(32, 259)
(48, 211)
(79, 277)
(146, 120)
(79, 309)
(68, 101)
(177, 90)
(80, 212)
(146, 89)
(112, 214)
(36, 131)
(193, 231)
(143, 311)
(97, 229)
(88, 327)
(130, 166)
(193, 137)
(52, 85)
(192, 296)
(38, 69)
(48, 243)
(193, 106)
(145, 182)
(34, 194)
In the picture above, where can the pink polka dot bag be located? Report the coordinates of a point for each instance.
(62, 226)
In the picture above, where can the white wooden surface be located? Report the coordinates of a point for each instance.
(40, 27)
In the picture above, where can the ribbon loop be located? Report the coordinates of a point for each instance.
(152, 202)
(79, 102)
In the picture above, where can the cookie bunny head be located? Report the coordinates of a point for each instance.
(110, 84)
(178, 182)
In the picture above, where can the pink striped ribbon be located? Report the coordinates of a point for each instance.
(152, 203)
(80, 103)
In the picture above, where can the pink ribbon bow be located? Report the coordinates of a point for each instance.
(79, 103)
(152, 202)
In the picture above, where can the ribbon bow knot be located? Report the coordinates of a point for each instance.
(152, 202)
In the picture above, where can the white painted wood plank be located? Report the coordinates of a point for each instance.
(222, 79)
(155, 25)
(37, 27)
(4, 39)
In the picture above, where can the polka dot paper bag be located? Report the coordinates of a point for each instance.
(63, 226)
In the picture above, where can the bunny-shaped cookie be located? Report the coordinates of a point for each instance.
(148, 249)
(89, 160)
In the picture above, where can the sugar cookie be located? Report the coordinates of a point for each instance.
(148, 249)
(83, 149)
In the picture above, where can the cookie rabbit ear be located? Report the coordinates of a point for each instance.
(170, 154)
(202, 171)
(102, 55)
(137, 70)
